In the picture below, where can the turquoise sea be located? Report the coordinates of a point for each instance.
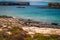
(32, 12)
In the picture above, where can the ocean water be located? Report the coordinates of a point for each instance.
(32, 12)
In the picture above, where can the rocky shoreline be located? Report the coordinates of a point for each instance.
(29, 22)
(12, 28)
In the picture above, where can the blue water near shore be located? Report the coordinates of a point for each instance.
(32, 12)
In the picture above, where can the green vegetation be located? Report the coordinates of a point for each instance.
(29, 38)
(17, 33)
(4, 36)
(10, 30)
(38, 36)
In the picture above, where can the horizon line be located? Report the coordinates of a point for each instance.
(27, 1)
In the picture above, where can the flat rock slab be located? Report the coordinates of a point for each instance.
(33, 30)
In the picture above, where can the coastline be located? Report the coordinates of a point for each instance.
(17, 26)
(29, 22)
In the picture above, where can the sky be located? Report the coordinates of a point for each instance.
(35, 2)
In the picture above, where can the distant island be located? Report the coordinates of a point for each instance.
(54, 5)
(51, 5)
(15, 3)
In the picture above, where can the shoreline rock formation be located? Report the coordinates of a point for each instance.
(33, 30)
(28, 22)
(12, 28)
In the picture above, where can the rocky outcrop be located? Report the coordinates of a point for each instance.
(5, 16)
(12, 28)
(33, 30)
(54, 5)
(15, 3)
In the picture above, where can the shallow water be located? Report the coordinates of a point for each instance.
(32, 12)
